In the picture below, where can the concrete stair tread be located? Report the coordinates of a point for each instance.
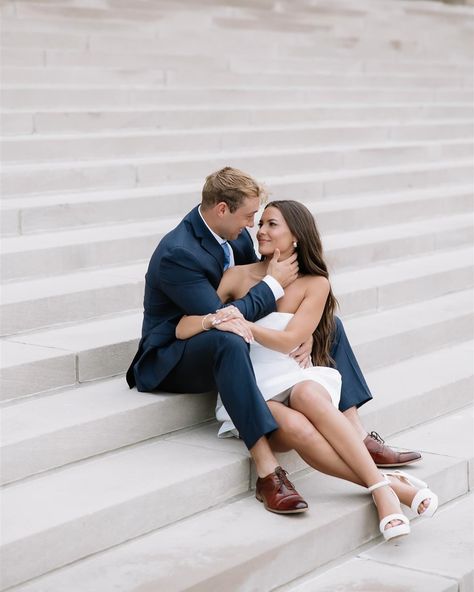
(345, 282)
(408, 317)
(155, 557)
(104, 347)
(325, 183)
(54, 98)
(83, 336)
(108, 483)
(114, 416)
(442, 568)
(337, 201)
(173, 158)
(81, 281)
(158, 227)
(57, 148)
(222, 108)
(41, 136)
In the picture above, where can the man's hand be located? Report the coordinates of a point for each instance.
(226, 314)
(285, 272)
(238, 326)
(303, 353)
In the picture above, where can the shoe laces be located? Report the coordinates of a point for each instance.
(282, 476)
(377, 437)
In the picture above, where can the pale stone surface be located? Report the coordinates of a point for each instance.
(29, 369)
(452, 550)
(436, 383)
(271, 552)
(364, 575)
(324, 106)
(451, 435)
(117, 497)
(39, 148)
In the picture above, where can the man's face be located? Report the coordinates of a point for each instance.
(232, 224)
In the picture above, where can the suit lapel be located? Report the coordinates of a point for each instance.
(208, 242)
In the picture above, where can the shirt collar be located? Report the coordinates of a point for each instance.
(218, 238)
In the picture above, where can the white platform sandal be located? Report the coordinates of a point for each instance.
(393, 531)
(421, 495)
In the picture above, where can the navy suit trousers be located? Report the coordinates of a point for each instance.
(355, 391)
(219, 360)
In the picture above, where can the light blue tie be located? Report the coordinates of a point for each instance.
(226, 249)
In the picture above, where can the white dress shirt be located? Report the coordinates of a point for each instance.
(271, 282)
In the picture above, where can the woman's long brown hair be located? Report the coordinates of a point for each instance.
(302, 225)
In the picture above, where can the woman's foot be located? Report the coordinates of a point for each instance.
(414, 493)
(392, 522)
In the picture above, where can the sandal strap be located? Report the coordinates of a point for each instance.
(390, 517)
(414, 481)
(378, 485)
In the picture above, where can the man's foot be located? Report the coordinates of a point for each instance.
(278, 494)
(386, 457)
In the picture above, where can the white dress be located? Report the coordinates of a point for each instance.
(277, 372)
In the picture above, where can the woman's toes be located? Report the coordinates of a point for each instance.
(393, 523)
(424, 505)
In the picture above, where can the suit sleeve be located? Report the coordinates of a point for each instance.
(184, 281)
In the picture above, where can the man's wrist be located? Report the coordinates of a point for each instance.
(274, 286)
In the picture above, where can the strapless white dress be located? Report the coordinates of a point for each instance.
(277, 372)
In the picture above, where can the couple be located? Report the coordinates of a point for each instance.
(254, 333)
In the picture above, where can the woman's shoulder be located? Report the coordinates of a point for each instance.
(316, 283)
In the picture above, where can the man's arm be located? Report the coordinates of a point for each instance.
(183, 279)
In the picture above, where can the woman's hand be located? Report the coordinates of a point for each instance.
(226, 314)
(302, 354)
(239, 326)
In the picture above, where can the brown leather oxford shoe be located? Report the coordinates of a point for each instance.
(278, 494)
(385, 457)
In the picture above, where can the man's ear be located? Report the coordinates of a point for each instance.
(221, 209)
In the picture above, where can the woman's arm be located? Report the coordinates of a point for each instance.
(303, 323)
(228, 319)
(191, 325)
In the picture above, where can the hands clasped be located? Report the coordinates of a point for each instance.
(232, 320)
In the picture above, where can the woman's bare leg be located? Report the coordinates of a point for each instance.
(296, 432)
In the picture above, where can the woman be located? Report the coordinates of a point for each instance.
(304, 401)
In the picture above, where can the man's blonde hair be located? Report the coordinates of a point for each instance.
(231, 186)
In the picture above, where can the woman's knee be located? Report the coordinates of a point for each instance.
(297, 429)
(309, 394)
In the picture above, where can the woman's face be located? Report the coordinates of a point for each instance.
(273, 233)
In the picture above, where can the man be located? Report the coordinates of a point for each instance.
(182, 278)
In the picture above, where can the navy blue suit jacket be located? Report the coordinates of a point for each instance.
(183, 275)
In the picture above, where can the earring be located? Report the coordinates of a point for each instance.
(295, 244)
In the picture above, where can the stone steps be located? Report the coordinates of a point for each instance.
(152, 560)
(52, 148)
(61, 252)
(183, 167)
(167, 74)
(51, 431)
(26, 215)
(95, 97)
(59, 357)
(446, 567)
(34, 304)
(73, 122)
(112, 125)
